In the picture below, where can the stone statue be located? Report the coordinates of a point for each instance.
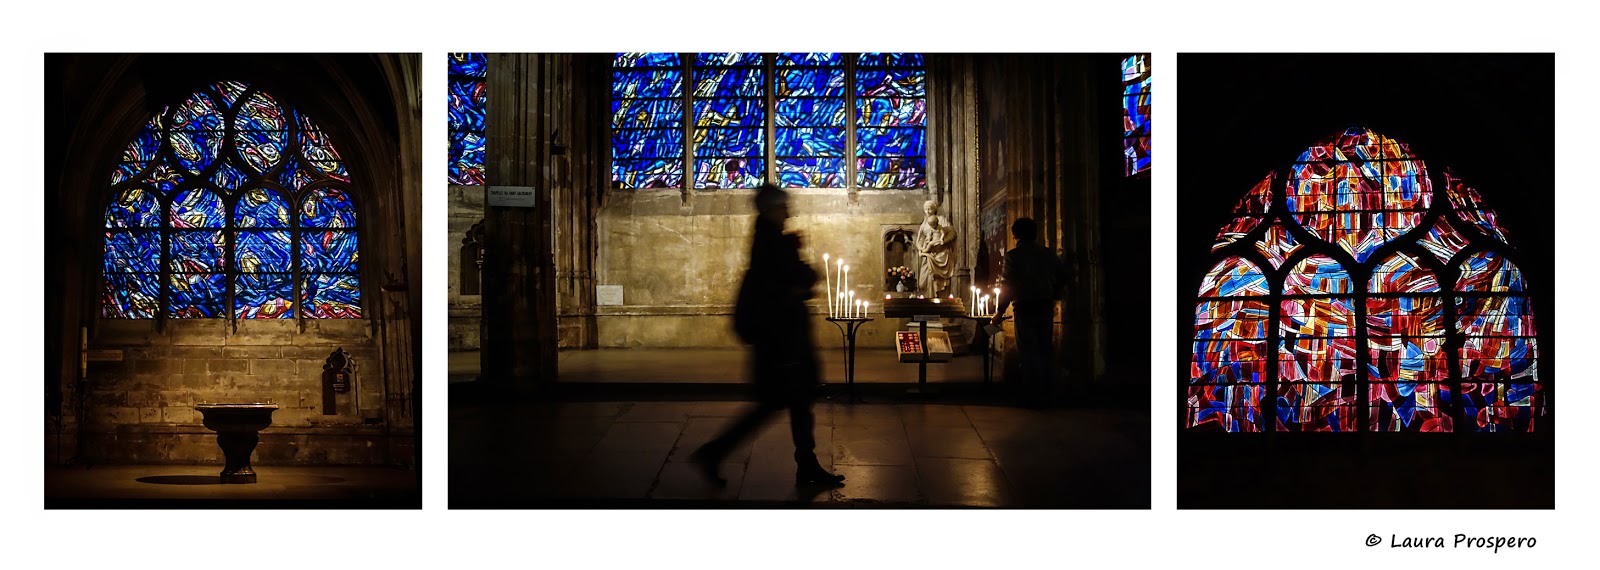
(933, 242)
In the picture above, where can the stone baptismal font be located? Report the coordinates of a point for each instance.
(236, 426)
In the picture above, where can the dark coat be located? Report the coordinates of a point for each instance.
(771, 314)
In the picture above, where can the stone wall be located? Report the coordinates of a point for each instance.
(141, 409)
(680, 263)
(466, 209)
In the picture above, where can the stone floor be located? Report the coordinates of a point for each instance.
(725, 366)
(197, 486)
(635, 454)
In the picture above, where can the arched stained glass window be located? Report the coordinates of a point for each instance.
(469, 90)
(734, 99)
(1228, 375)
(200, 222)
(1136, 114)
(1360, 251)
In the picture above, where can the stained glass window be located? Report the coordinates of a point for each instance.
(730, 117)
(469, 89)
(1364, 356)
(891, 133)
(810, 120)
(1136, 114)
(201, 223)
(730, 101)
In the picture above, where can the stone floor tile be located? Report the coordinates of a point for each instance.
(871, 445)
(954, 442)
(683, 481)
(698, 432)
(657, 412)
(778, 485)
(933, 415)
(896, 484)
(963, 482)
(625, 475)
(640, 437)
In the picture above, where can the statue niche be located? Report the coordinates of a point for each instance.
(898, 252)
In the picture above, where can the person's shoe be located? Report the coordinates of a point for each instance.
(707, 465)
(816, 476)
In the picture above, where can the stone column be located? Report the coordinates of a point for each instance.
(527, 93)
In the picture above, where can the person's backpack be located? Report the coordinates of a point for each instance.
(746, 309)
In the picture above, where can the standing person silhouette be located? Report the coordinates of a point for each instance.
(1032, 281)
(771, 316)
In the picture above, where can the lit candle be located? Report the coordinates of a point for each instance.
(839, 270)
(845, 281)
(827, 283)
(852, 304)
(974, 308)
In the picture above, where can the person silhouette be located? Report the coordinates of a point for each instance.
(1032, 278)
(770, 315)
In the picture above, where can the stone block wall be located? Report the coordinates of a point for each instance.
(465, 311)
(680, 263)
(141, 409)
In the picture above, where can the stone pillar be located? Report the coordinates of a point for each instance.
(581, 173)
(527, 94)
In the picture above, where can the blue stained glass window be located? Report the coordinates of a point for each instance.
(140, 151)
(330, 287)
(1136, 113)
(822, 59)
(198, 251)
(133, 252)
(469, 95)
(134, 208)
(332, 296)
(263, 296)
(197, 295)
(197, 208)
(725, 97)
(328, 207)
(647, 119)
(891, 121)
(730, 117)
(216, 219)
(469, 64)
(262, 132)
(811, 122)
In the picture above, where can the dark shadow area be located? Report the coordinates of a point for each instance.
(181, 480)
(98, 504)
(214, 480)
(1373, 471)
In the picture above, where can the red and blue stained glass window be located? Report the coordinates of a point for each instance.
(469, 90)
(202, 219)
(1136, 114)
(1364, 356)
(732, 101)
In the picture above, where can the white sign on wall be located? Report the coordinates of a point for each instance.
(511, 196)
(608, 294)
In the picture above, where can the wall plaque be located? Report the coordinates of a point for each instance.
(608, 295)
(512, 196)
